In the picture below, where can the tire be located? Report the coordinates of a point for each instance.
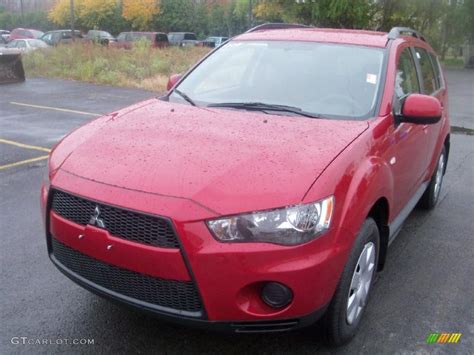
(341, 322)
(431, 196)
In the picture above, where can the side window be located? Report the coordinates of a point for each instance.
(406, 81)
(21, 44)
(427, 73)
(437, 70)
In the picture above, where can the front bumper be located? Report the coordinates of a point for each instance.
(224, 326)
(228, 277)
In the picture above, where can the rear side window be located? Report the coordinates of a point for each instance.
(160, 37)
(406, 81)
(190, 36)
(437, 70)
(427, 72)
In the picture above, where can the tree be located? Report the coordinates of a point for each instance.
(98, 13)
(60, 12)
(140, 12)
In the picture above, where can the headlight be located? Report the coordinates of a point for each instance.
(288, 226)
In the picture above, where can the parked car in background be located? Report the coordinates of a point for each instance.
(3, 42)
(22, 33)
(5, 35)
(27, 45)
(101, 37)
(182, 39)
(53, 38)
(127, 39)
(214, 41)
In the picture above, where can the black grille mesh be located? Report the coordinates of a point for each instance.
(121, 223)
(178, 295)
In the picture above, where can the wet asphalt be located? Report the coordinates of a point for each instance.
(427, 285)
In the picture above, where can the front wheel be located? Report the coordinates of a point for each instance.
(431, 196)
(349, 302)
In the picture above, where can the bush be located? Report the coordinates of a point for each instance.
(143, 67)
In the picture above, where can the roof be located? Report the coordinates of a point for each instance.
(357, 37)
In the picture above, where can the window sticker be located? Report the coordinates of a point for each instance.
(371, 78)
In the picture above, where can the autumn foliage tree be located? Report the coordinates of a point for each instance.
(140, 12)
(60, 13)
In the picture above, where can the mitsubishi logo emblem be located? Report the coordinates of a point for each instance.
(95, 220)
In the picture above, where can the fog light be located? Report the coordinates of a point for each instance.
(276, 295)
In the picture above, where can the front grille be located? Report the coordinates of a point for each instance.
(119, 222)
(171, 294)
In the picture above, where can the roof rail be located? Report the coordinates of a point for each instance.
(397, 32)
(276, 26)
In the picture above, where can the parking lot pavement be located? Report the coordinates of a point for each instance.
(461, 94)
(427, 285)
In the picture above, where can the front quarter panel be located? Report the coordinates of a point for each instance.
(357, 178)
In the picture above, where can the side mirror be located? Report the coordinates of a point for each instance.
(421, 109)
(172, 81)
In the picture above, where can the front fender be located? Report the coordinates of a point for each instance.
(358, 178)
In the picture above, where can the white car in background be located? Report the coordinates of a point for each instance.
(27, 45)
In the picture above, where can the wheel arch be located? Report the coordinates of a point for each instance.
(380, 212)
(447, 145)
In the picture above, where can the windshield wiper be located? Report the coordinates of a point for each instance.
(260, 106)
(184, 96)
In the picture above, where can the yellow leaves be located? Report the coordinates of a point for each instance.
(60, 12)
(97, 6)
(94, 12)
(87, 12)
(140, 12)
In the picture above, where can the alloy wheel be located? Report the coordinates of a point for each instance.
(360, 284)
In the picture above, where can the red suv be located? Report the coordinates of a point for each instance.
(263, 190)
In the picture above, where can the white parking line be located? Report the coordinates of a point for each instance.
(56, 109)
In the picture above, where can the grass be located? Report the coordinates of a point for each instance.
(453, 63)
(143, 67)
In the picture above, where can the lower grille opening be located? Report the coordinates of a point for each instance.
(264, 327)
(170, 294)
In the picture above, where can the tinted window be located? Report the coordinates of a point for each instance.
(161, 37)
(406, 81)
(437, 70)
(328, 79)
(427, 73)
(190, 36)
(21, 44)
(121, 37)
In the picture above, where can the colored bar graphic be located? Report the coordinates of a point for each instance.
(443, 338)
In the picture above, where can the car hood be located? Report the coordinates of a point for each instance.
(227, 160)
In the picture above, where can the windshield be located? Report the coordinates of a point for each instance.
(321, 78)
